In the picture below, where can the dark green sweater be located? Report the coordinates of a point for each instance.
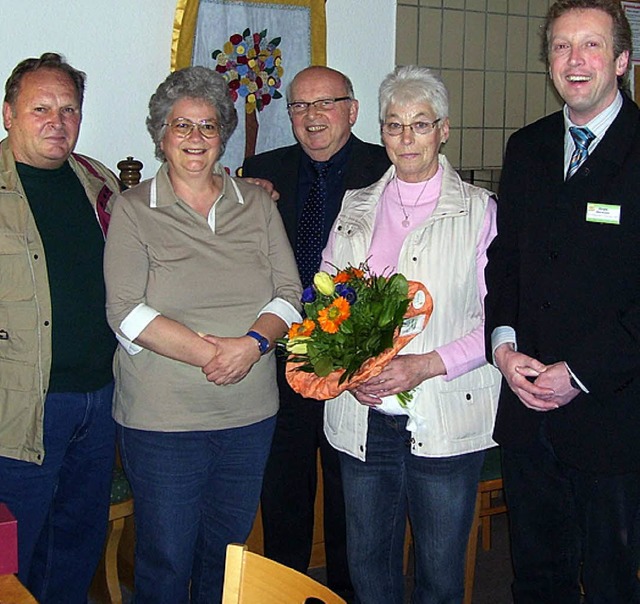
(82, 343)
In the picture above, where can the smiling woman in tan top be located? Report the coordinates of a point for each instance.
(193, 252)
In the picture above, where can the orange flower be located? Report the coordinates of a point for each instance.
(348, 273)
(334, 314)
(293, 330)
(301, 329)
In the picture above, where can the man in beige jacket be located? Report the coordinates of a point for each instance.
(56, 432)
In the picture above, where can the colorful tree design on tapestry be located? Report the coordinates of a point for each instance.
(253, 70)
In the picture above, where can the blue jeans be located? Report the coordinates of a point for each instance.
(439, 496)
(194, 493)
(62, 506)
(570, 526)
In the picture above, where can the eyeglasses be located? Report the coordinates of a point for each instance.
(396, 129)
(182, 127)
(300, 107)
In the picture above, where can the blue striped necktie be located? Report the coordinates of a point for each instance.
(582, 137)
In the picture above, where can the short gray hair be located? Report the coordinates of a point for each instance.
(198, 83)
(413, 84)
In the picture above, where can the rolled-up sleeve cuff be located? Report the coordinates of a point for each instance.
(133, 325)
(503, 334)
(282, 309)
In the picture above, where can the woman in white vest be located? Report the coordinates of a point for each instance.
(423, 461)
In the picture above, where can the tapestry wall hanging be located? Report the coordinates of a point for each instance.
(258, 47)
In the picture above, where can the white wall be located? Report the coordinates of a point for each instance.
(361, 42)
(124, 47)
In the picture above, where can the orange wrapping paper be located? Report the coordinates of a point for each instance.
(323, 388)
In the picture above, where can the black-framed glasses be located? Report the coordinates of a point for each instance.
(182, 127)
(300, 107)
(420, 127)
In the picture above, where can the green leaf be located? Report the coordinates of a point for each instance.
(386, 316)
(343, 378)
(399, 284)
(323, 366)
(386, 340)
(404, 397)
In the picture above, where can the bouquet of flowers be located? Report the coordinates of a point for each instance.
(355, 324)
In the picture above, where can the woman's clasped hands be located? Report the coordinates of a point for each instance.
(232, 360)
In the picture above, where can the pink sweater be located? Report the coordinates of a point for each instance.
(465, 353)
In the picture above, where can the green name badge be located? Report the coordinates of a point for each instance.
(603, 213)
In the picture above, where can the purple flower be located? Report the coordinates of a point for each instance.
(308, 295)
(348, 293)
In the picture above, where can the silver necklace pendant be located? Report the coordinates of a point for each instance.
(406, 223)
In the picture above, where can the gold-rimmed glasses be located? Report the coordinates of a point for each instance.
(183, 127)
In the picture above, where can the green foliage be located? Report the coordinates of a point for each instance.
(358, 332)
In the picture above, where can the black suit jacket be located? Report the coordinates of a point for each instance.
(367, 163)
(571, 288)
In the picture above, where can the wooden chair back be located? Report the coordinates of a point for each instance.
(250, 578)
(490, 485)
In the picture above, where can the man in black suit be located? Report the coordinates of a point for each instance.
(323, 110)
(563, 320)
